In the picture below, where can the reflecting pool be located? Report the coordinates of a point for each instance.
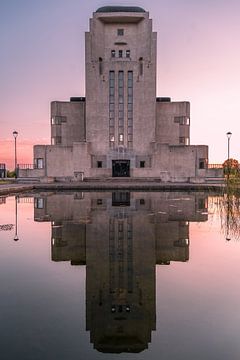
(119, 275)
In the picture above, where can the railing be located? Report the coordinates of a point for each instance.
(26, 166)
(26, 200)
(215, 166)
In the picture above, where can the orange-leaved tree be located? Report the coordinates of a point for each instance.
(231, 166)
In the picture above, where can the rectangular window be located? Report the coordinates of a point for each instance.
(128, 53)
(39, 163)
(182, 120)
(120, 32)
(142, 164)
(113, 53)
(58, 120)
(120, 53)
(130, 108)
(111, 108)
(99, 164)
(120, 106)
(202, 163)
(184, 140)
(130, 129)
(38, 203)
(58, 140)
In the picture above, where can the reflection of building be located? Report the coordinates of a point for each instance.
(120, 237)
(120, 128)
(2, 200)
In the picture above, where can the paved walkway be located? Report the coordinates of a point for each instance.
(6, 189)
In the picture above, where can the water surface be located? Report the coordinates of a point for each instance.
(119, 276)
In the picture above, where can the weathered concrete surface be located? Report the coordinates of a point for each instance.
(6, 189)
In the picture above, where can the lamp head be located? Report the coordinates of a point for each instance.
(15, 134)
(229, 134)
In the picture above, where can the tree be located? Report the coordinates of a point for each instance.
(231, 166)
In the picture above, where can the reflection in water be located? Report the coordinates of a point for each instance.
(228, 207)
(16, 238)
(120, 237)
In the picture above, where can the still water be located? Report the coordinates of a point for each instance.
(140, 275)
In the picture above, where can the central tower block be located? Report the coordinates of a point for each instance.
(120, 81)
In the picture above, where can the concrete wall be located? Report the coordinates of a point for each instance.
(178, 163)
(57, 160)
(141, 41)
(67, 122)
(168, 130)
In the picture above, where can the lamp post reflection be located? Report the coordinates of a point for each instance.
(229, 134)
(16, 238)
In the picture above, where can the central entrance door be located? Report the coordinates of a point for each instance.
(121, 168)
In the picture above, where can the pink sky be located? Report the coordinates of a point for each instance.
(42, 59)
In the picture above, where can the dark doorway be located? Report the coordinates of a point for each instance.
(121, 168)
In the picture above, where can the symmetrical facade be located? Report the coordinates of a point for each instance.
(120, 128)
(120, 237)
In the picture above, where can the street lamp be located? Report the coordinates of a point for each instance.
(15, 134)
(229, 134)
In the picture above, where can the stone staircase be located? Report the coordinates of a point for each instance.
(27, 180)
(122, 180)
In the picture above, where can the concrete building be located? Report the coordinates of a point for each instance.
(120, 237)
(120, 128)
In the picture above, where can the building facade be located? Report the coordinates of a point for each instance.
(120, 237)
(120, 128)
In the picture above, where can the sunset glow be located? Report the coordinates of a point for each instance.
(42, 59)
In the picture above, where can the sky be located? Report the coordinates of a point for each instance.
(42, 59)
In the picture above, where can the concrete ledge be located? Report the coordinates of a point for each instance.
(8, 189)
(104, 186)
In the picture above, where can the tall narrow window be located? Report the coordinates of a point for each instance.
(100, 66)
(113, 53)
(130, 109)
(128, 53)
(111, 108)
(140, 66)
(39, 163)
(120, 53)
(121, 107)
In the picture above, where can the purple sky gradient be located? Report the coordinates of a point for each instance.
(42, 59)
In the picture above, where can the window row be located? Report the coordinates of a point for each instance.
(120, 53)
(121, 138)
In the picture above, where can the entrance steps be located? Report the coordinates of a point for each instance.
(27, 180)
(121, 180)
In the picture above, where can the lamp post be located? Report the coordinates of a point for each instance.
(229, 134)
(15, 134)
